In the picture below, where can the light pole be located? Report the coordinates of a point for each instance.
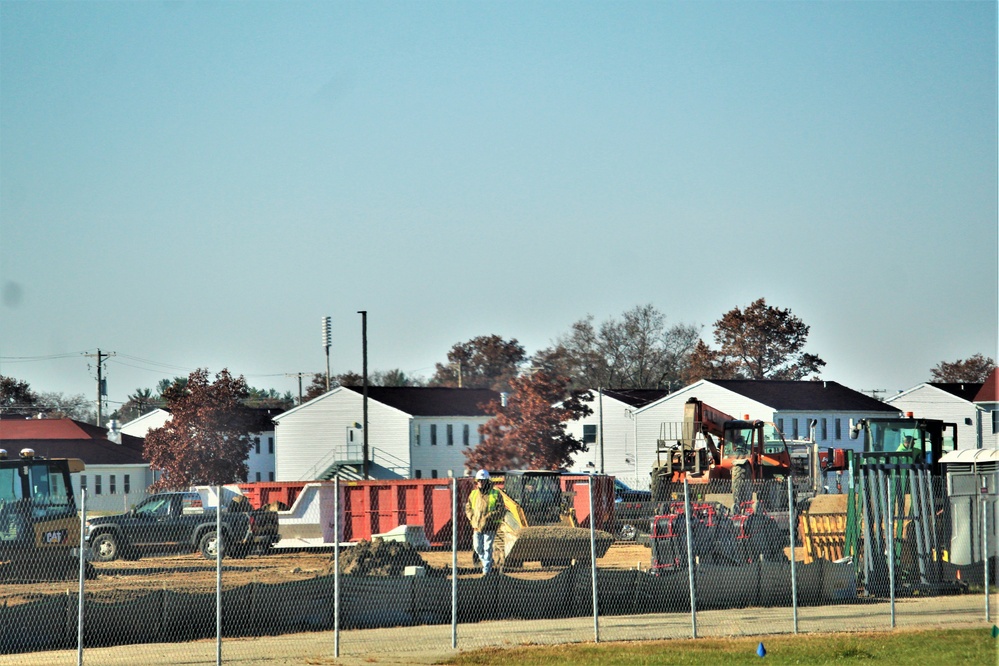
(364, 372)
(327, 340)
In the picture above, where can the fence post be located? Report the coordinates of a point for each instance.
(83, 573)
(454, 563)
(336, 567)
(890, 543)
(593, 564)
(985, 553)
(219, 545)
(690, 559)
(791, 519)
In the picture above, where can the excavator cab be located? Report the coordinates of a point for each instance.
(539, 494)
(758, 444)
(39, 526)
(905, 440)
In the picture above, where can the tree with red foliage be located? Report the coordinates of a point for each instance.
(529, 433)
(972, 370)
(207, 439)
(760, 342)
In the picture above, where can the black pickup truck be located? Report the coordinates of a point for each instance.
(180, 521)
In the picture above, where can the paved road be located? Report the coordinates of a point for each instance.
(431, 644)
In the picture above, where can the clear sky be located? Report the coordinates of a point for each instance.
(196, 184)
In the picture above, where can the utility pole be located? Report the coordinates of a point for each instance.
(601, 408)
(327, 341)
(299, 375)
(102, 389)
(364, 371)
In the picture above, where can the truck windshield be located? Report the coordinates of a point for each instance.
(739, 442)
(10, 485)
(155, 506)
(895, 437)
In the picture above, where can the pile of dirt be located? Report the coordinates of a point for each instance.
(379, 558)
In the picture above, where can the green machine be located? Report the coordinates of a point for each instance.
(896, 510)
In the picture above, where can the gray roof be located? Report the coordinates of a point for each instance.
(805, 395)
(432, 401)
(964, 391)
(635, 397)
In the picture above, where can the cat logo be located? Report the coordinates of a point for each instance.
(58, 536)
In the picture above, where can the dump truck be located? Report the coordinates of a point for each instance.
(540, 522)
(39, 525)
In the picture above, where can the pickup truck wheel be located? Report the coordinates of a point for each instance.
(208, 545)
(106, 547)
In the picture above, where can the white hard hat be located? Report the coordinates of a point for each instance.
(482, 475)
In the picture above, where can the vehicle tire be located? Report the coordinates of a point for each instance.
(626, 532)
(105, 547)
(209, 543)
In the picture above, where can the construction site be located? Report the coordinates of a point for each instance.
(737, 518)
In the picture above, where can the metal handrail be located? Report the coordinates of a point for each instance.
(352, 452)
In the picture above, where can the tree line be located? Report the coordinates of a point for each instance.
(208, 437)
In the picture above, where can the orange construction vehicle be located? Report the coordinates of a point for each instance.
(718, 453)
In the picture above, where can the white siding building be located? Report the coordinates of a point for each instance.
(952, 403)
(792, 406)
(260, 461)
(413, 432)
(116, 476)
(614, 410)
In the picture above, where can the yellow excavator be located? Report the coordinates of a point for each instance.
(540, 524)
(39, 525)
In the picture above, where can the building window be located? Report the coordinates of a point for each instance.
(258, 477)
(83, 482)
(270, 445)
(589, 434)
(112, 489)
(450, 435)
(270, 476)
(839, 428)
(97, 484)
(127, 484)
(825, 429)
(256, 443)
(433, 474)
(433, 434)
(419, 474)
(465, 434)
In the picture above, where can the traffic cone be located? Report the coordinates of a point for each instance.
(760, 650)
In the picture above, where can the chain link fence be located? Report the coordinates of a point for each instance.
(872, 559)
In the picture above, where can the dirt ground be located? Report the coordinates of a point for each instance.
(122, 580)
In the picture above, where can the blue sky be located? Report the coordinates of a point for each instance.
(195, 184)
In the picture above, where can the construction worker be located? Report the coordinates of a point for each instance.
(485, 510)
